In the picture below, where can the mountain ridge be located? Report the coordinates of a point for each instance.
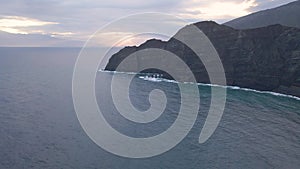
(287, 15)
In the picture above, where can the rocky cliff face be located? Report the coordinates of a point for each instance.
(287, 15)
(265, 58)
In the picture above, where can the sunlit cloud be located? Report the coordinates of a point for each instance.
(24, 25)
(18, 25)
(217, 10)
(13, 30)
(61, 34)
(136, 40)
(109, 38)
(190, 10)
(17, 21)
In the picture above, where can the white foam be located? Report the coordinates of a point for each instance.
(153, 79)
(118, 72)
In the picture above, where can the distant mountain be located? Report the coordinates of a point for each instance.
(288, 15)
(35, 40)
(266, 58)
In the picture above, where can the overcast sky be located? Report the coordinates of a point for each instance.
(78, 19)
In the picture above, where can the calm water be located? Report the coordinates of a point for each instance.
(39, 128)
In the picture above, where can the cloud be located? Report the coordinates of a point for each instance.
(217, 10)
(17, 21)
(25, 25)
(77, 20)
(15, 24)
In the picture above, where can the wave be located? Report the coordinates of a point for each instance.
(145, 76)
(152, 79)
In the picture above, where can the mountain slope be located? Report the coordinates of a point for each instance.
(288, 15)
(265, 58)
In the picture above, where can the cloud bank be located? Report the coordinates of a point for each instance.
(77, 20)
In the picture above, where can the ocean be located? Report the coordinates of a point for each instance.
(39, 126)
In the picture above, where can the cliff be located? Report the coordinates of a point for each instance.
(266, 58)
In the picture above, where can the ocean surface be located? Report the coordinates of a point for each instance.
(39, 127)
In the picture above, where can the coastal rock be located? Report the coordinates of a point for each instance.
(266, 58)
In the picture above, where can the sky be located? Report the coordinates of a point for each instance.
(42, 22)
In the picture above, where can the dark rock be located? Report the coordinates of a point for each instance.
(265, 58)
